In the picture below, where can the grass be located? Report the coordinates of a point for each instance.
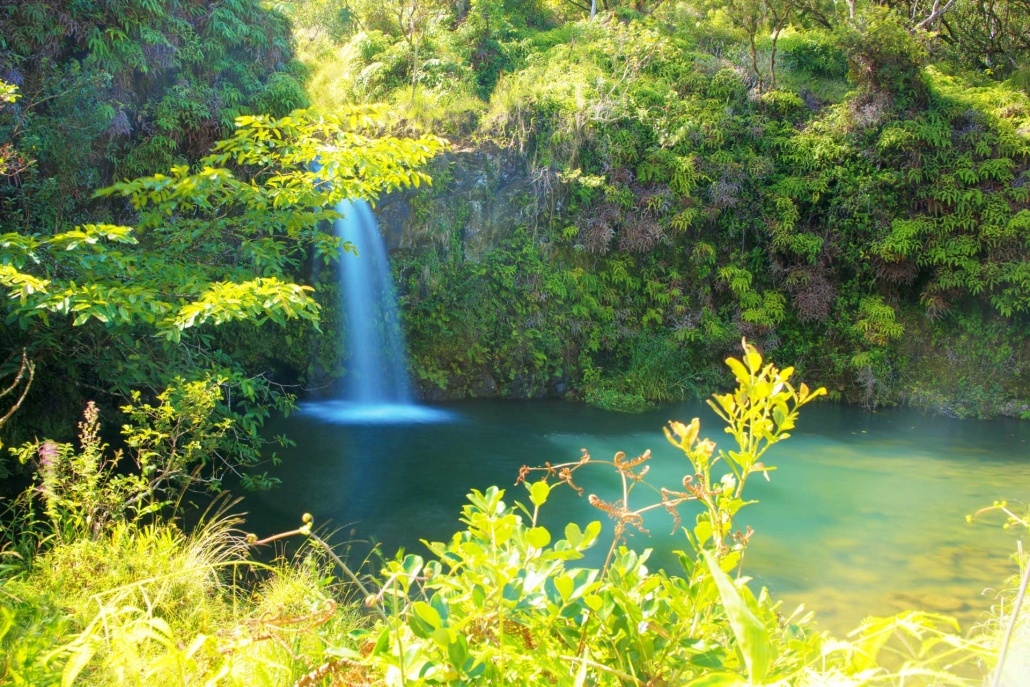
(154, 606)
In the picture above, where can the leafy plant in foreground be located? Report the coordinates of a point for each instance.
(150, 605)
(184, 440)
(503, 602)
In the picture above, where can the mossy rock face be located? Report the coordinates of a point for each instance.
(483, 386)
(480, 196)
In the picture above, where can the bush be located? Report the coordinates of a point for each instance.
(884, 57)
(608, 398)
(814, 52)
(502, 602)
(153, 606)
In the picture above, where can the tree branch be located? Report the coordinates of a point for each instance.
(27, 368)
(935, 13)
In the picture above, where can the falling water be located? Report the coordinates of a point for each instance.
(376, 386)
(376, 369)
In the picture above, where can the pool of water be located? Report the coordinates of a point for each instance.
(865, 514)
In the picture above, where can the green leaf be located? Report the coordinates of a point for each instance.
(458, 652)
(442, 637)
(564, 584)
(383, 643)
(591, 533)
(412, 565)
(76, 663)
(751, 634)
(538, 493)
(703, 531)
(538, 537)
(738, 369)
(427, 613)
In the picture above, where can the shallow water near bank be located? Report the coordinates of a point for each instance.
(865, 514)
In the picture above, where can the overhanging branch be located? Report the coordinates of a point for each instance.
(935, 13)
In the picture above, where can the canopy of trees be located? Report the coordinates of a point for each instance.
(845, 182)
(108, 281)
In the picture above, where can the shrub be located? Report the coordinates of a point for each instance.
(153, 606)
(884, 57)
(501, 601)
(813, 52)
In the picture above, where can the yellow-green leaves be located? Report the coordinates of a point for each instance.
(214, 244)
(19, 284)
(91, 234)
(757, 414)
(538, 537)
(427, 614)
(520, 615)
(581, 539)
(760, 412)
(684, 437)
(257, 300)
(538, 492)
(751, 634)
(739, 371)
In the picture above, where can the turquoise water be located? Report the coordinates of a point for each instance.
(865, 514)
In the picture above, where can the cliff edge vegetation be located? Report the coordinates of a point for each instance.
(844, 183)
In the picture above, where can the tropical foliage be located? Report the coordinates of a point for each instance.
(845, 184)
(505, 600)
(842, 182)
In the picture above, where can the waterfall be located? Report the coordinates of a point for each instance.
(376, 363)
(376, 386)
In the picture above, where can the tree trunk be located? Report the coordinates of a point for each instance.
(780, 22)
(754, 59)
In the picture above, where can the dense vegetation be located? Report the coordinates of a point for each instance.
(112, 600)
(107, 91)
(846, 185)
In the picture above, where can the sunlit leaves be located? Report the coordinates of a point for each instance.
(751, 634)
(502, 602)
(758, 414)
(254, 300)
(90, 234)
(20, 285)
(214, 244)
(877, 322)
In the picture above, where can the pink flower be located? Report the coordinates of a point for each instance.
(47, 454)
